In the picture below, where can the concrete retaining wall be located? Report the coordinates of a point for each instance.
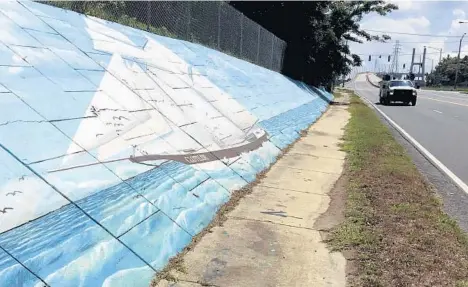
(117, 146)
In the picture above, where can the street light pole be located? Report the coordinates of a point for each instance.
(440, 60)
(438, 49)
(458, 62)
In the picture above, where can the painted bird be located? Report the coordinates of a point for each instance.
(119, 118)
(14, 193)
(4, 210)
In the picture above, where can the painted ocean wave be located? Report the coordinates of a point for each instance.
(173, 203)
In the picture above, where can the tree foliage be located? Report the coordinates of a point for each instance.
(444, 72)
(317, 34)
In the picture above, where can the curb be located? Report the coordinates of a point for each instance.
(369, 81)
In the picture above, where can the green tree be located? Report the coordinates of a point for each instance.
(444, 72)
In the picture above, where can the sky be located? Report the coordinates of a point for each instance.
(439, 19)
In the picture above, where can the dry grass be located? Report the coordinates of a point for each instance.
(394, 223)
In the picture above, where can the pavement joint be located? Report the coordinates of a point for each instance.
(315, 156)
(271, 222)
(174, 283)
(294, 190)
(303, 169)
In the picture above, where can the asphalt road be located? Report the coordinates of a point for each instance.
(439, 122)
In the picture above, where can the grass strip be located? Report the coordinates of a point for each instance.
(394, 225)
(445, 88)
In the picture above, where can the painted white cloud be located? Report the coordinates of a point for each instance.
(36, 199)
(459, 13)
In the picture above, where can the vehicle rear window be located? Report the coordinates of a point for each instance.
(400, 84)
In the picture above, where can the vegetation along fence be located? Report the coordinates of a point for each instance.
(215, 24)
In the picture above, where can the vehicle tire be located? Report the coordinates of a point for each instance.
(413, 102)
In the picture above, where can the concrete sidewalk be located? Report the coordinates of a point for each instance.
(269, 239)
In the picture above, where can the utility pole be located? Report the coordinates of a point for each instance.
(440, 60)
(423, 66)
(458, 62)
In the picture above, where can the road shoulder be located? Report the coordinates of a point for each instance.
(395, 232)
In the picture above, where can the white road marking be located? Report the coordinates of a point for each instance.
(438, 100)
(419, 147)
(437, 111)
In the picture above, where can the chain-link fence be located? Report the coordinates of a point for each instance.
(215, 24)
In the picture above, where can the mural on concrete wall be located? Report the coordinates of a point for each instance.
(117, 145)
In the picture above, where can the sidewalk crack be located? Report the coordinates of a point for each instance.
(272, 222)
(288, 189)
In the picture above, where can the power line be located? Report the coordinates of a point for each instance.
(419, 42)
(414, 34)
(408, 54)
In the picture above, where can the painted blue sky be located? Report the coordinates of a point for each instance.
(436, 18)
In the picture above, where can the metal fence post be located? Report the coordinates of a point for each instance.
(258, 44)
(189, 16)
(272, 49)
(219, 23)
(241, 32)
(148, 15)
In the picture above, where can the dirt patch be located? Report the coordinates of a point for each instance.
(335, 212)
(394, 231)
(333, 217)
(176, 263)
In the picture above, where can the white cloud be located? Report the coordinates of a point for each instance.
(422, 22)
(406, 5)
(407, 25)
